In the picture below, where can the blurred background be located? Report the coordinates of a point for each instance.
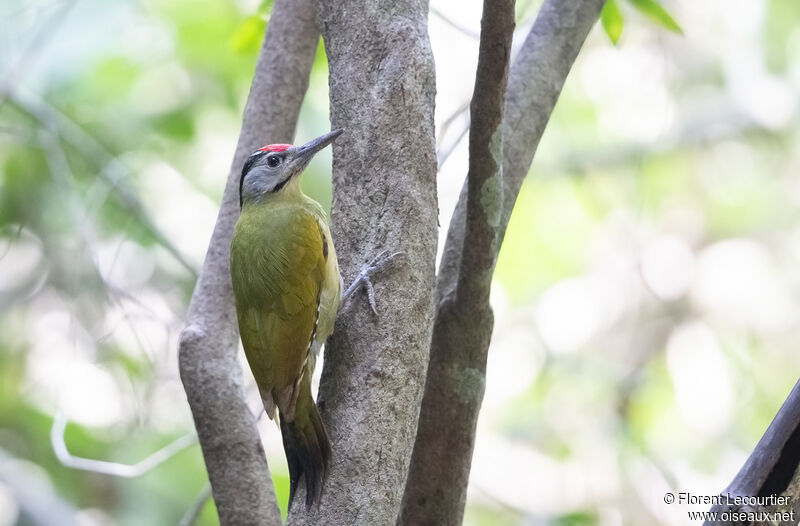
(647, 296)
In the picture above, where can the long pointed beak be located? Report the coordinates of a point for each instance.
(307, 151)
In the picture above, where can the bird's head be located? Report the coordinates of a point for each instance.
(269, 169)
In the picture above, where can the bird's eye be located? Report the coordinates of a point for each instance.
(273, 161)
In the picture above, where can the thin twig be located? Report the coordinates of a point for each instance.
(115, 469)
(441, 153)
(460, 110)
(114, 170)
(196, 508)
(65, 180)
(442, 156)
(13, 74)
(33, 495)
(455, 25)
(485, 175)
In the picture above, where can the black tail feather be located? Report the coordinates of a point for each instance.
(308, 450)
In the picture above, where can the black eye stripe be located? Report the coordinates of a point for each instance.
(281, 185)
(273, 160)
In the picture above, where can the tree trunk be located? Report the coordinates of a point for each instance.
(382, 89)
(438, 477)
(238, 471)
(464, 321)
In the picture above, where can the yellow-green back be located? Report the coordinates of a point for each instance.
(278, 269)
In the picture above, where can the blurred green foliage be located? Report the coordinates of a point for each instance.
(646, 294)
(79, 123)
(612, 20)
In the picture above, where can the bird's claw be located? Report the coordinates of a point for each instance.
(377, 264)
(381, 261)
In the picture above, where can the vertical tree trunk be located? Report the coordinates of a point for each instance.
(382, 87)
(438, 476)
(240, 479)
(464, 320)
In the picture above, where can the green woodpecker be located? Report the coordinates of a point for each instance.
(287, 288)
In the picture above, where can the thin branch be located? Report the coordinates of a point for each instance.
(212, 377)
(14, 73)
(459, 111)
(115, 469)
(23, 10)
(772, 467)
(443, 155)
(534, 85)
(458, 27)
(65, 180)
(34, 494)
(467, 318)
(440, 464)
(485, 175)
(196, 508)
(697, 132)
(462, 109)
(114, 170)
(15, 235)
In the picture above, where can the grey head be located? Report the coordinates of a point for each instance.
(269, 169)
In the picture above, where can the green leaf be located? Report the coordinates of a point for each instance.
(248, 36)
(655, 12)
(612, 20)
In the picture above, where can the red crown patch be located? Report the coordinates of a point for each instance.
(275, 147)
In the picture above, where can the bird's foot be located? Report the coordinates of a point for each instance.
(378, 263)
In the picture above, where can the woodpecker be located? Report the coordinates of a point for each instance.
(288, 289)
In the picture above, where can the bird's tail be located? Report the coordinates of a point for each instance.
(307, 447)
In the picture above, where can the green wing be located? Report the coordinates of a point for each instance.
(277, 267)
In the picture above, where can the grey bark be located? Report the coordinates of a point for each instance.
(382, 87)
(771, 469)
(465, 319)
(438, 476)
(238, 471)
(485, 175)
(534, 85)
